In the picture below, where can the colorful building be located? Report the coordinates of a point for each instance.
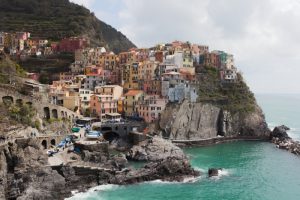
(132, 98)
(151, 108)
(85, 98)
(105, 100)
(72, 44)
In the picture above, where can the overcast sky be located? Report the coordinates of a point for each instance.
(263, 35)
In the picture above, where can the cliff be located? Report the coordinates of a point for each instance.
(228, 110)
(193, 121)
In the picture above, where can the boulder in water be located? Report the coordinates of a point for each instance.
(280, 132)
(213, 171)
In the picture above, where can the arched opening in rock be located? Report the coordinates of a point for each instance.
(110, 136)
(53, 142)
(7, 100)
(54, 113)
(46, 113)
(62, 114)
(44, 144)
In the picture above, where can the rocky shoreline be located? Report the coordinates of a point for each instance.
(281, 139)
(25, 174)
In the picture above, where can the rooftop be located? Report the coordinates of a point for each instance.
(133, 92)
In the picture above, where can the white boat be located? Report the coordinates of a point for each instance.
(93, 135)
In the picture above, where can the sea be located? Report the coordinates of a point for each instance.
(252, 170)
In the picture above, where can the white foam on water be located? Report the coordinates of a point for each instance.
(191, 179)
(200, 169)
(91, 192)
(185, 180)
(222, 173)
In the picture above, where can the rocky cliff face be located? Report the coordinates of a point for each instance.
(193, 121)
(25, 174)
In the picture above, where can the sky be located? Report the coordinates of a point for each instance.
(263, 35)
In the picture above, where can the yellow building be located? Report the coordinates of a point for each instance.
(146, 70)
(132, 97)
(108, 61)
(121, 105)
(130, 76)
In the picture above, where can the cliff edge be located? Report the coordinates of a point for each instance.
(222, 109)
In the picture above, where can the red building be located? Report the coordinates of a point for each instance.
(212, 60)
(72, 44)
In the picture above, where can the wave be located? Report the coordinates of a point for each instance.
(191, 179)
(91, 192)
(200, 169)
(222, 173)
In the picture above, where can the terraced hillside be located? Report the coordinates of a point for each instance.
(56, 19)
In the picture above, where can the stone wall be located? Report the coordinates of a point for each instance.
(43, 107)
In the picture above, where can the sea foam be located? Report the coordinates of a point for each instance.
(91, 192)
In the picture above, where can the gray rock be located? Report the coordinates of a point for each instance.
(155, 149)
(213, 171)
(280, 132)
(194, 121)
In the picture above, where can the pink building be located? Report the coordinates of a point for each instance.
(105, 100)
(151, 107)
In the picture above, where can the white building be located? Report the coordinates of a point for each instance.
(85, 97)
(91, 81)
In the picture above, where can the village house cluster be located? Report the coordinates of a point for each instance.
(138, 83)
(22, 45)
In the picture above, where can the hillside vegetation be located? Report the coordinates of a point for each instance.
(235, 97)
(9, 70)
(56, 19)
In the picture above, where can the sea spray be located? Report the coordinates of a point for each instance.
(91, 192)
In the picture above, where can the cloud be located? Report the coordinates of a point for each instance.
(262, 34)
(85, 3)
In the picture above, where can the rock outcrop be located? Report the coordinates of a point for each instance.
(280, 133)
(193, 121)
(25, 174)
(155, 149)
(213, 171)
(280, 137)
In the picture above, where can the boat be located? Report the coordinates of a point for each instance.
(75, 129)
(93, 134)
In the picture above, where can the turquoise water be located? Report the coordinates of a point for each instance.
(282, 109)
(252, 170)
